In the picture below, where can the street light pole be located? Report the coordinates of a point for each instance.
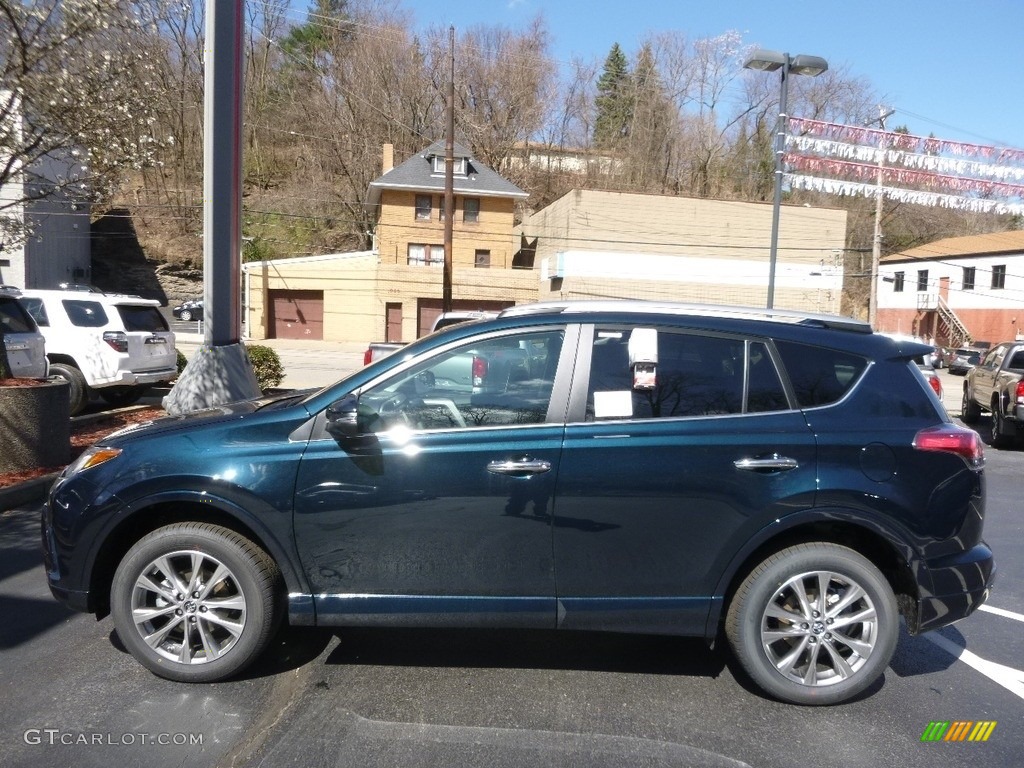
(769, 61)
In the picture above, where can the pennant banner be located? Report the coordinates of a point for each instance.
(902, 141)
(895, 157)
(918, 197)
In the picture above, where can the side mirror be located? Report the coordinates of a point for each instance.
(342, 418)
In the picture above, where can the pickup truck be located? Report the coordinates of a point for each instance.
(996, 386)
(378, 349)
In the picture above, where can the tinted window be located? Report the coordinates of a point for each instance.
(85, 314)
(694, 376)
(37, 310)
(819, 376)
(142, 318)
(495, 382)
(14, 318)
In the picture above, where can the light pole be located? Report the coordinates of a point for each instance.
(769, 61)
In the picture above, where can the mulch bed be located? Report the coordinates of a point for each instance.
(85, 432)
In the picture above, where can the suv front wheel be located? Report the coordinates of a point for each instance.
(814, 624)
(195, 602)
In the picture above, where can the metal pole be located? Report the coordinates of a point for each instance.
(222, 183)
(876, 242)
(449, 180)
(780, 148)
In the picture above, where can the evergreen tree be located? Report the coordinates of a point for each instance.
(614, 100)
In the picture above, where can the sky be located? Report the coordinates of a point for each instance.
(954, 69)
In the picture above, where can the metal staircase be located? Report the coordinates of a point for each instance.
(956, 331)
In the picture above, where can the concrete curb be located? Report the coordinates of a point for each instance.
(29, 492)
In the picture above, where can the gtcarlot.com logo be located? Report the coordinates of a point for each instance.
(959, 730)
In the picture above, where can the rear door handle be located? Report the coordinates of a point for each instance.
(519, 467)
(774, 463)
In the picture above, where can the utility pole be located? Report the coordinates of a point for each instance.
(449, 179)
(876, 243)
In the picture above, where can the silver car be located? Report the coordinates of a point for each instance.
(26, 350)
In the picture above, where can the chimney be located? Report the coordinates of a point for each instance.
(387, 158)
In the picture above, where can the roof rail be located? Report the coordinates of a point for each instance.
(790, 316)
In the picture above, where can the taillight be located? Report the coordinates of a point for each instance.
(1019, 394)
(936, 384)
(367, 356)
(117, 340)
(479, 371)
(949, 438)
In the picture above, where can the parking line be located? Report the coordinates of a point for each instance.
(1011, 679)
(1001, 612)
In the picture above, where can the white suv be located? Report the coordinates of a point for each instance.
(117, 345)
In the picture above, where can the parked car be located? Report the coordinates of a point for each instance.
(189, 310)
(924, 364)
(454, 318)
(26, 351)
(116, 346)
(996, 385)
(964, 359)
(937, 358)
(763, 476)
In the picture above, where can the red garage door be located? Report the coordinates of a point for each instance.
(296, 314)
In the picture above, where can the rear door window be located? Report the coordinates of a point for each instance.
(693, 376)
(147, 319)
(819, 376)
(85, 314)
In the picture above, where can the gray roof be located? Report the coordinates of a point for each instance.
(417, 175)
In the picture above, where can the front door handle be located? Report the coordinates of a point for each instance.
(519, 467)
(773, 463)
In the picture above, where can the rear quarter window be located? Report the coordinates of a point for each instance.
(37, 310)
(820, 376)
(14, 318)
(146, 319)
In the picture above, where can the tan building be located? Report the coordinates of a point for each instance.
(593, 244)
(587, 244)
(393, 292)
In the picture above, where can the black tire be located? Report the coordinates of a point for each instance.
(1000, 439)
(121, 396)
(227, 623)
(185, 315)
(78, 390)
(766, 624)
(970, 413)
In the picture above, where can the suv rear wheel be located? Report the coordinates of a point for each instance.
(195, 602)
(814, 624)
(78, 390)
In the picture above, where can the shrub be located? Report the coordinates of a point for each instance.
(182, 361)
(266, 365)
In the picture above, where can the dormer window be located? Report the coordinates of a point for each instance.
(460, 165)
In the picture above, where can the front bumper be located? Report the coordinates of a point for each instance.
(959, 584)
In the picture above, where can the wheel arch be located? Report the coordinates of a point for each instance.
(58, 357)
(147, 515)
(879, 547)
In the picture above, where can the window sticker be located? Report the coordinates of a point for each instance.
(613, 405)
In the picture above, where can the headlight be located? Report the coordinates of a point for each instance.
(91, 457)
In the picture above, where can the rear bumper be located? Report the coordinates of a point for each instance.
(135, 378)
(959, 585)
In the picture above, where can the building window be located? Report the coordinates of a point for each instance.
(423, 207)
(421, 255)
(999, 276)
(482, 259)
(922, 279)
(471, 209)
(897, 282)
(458, 170)
(969, 278)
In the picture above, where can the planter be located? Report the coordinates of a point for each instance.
(35, 424)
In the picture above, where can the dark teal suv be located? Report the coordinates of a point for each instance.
(788, 481)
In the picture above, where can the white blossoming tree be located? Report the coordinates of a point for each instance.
(73, 99)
